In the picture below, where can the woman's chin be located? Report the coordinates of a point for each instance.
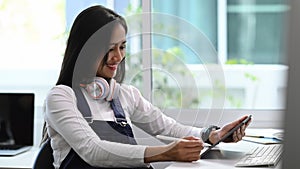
(107, 75)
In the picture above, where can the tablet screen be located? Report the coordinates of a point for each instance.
(207, 149)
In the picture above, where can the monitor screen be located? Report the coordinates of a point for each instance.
(16, 118)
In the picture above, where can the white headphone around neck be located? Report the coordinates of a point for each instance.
(100, 89)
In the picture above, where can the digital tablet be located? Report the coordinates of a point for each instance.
(207, 149)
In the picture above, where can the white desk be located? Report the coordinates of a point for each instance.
(228, 155)
(231, 152)
(21, 161)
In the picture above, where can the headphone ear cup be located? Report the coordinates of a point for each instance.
(100, 89)
(103, 88)
(114, 89)
(93, 90)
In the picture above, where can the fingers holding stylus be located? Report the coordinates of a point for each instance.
(187, 149)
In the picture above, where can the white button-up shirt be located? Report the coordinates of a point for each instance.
(67, 128)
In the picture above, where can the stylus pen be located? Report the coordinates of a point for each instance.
(168, 138)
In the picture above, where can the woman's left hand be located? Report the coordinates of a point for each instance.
(235, 137)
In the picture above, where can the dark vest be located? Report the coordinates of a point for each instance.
(106, 130)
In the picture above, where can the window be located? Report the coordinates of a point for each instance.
(256, 30)
(185, 55)
(32, 42)
(248, 63)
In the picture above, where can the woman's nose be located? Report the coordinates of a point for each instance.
(117, 55)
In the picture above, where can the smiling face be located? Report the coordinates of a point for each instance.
(116, 53)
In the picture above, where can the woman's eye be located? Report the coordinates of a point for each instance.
(123, 47)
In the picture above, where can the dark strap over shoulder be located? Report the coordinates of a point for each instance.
(82, 105)
(106, 130)
(118, 111)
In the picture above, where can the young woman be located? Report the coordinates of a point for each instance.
(89, 113)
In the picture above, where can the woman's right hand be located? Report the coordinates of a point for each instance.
(185, 150)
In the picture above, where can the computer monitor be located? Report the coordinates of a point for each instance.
(292, 116)
(16, 121)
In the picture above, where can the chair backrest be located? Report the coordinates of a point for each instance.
(44, 158)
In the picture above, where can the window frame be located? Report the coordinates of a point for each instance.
(211, 116)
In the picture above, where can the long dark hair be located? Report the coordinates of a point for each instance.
(87, 43)
(87, 47)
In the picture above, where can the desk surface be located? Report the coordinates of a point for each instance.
(231, 151)
(226, 155)
(21, 161)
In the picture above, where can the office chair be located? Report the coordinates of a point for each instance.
(44, 158)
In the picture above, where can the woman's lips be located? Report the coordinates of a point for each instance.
(112, 67)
